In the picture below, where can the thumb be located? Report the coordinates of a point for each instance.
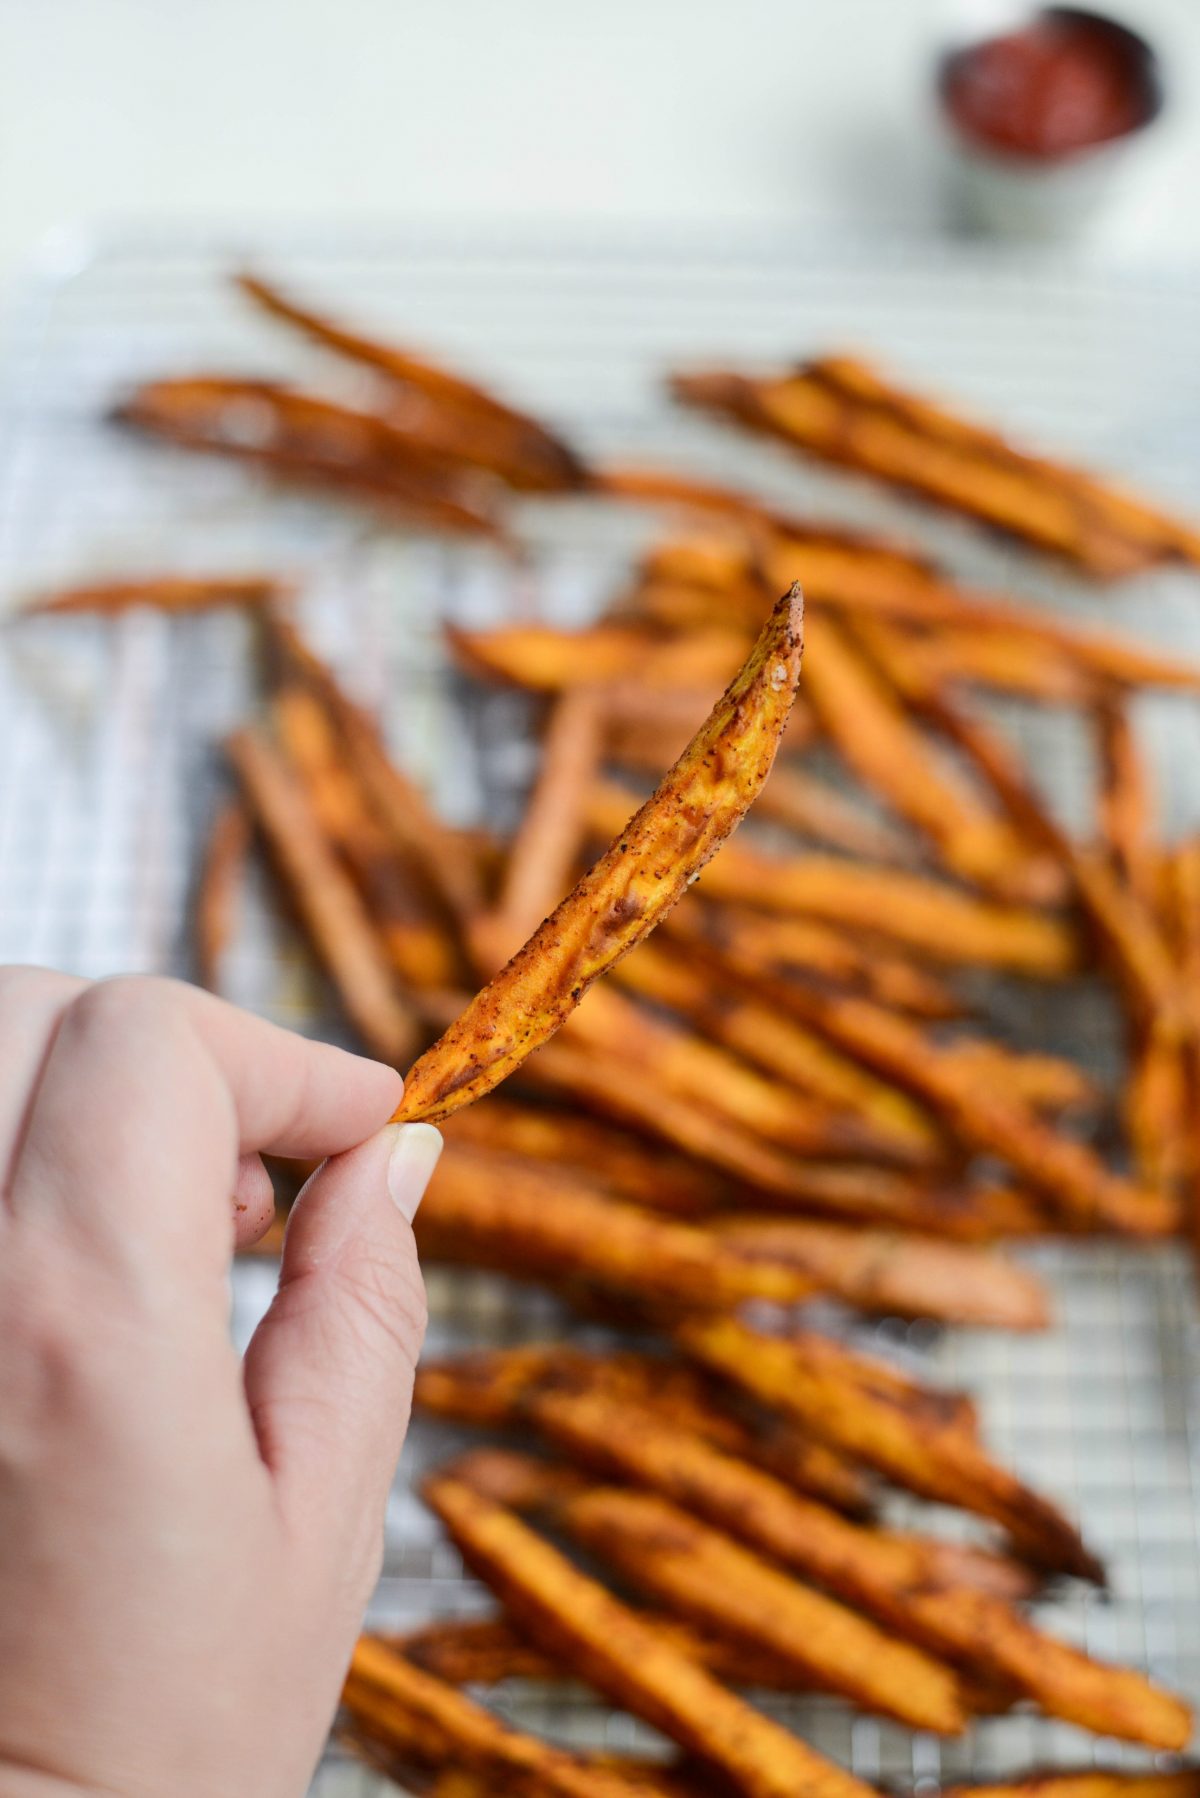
(329, 1370)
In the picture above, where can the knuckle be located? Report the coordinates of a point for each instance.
(121, 1000)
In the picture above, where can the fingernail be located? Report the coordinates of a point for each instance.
(413, 1159)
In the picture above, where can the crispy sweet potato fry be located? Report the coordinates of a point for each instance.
(624, 1658)
(164, 593)
(913, 1584)
(318, 443)
(925, 915)
(942, 1463)
(458, 414)
(543, 659)
(1127, 824)
(1092, 1782)
(882, 1571)
(930, 1205)
(711, 999)
(221, 873)
(1066, 1174)
(796, 947)
(1183, 908)
(550, 836)
(628, 1166)
(887, 751)
(842, 411)
(673, 1059)
(706, 1577)
(398, 1705)
(422, 949)
(655, 856)
(894, 1274)
(536, 1222)
(446, 860)
(325, 897)
(483, 1651)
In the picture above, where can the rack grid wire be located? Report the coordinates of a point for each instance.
(109, 740)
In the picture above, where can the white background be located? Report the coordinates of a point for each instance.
(778, 110)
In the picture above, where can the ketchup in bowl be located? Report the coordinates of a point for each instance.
(1066, 82)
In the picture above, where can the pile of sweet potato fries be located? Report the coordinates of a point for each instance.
(789, 1094)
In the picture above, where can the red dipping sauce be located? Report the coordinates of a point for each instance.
(1064, 83)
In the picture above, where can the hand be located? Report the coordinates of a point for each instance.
(187, 1544)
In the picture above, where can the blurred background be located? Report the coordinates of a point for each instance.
(781, 111)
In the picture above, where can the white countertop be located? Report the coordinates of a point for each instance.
(785, 111)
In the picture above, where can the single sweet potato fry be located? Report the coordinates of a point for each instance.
(223, 867)
(537, 1222)
(628, 1166)
(646, 869)
(342, 932)
(1090, 1782)
(939, 1462)
(550, 836)
(318, 443)
(398, 1705)
(1126, 806)
(612, 1648)
(893, 1274)
(422, 948)
(481, 428)
(163, 593)
(543, 659)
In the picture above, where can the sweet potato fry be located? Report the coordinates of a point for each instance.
(627, 1166)
(1123, 928)
(843, 412)
(1091, 1782)
(543, 659)
(536, 1222)
(925, 915)
(946, 1206)
(612, 1648)
(671, 1058)
(217, 891)
(1001, 661)
(881, 1571)
(1182, 904)
(1066, 1174)
(712, 1000)
(1127, 825)
(896, 1275)
(550, 836)
(403, 1708)
(706, 1577)
(341, 931)
(1048, 1083)
(942, 1463)
(164, 593)
(468, 418)
(489, 1388)
(446, 861)
(318, 443)
(421, 948)
(804, 947)
(655, 856)
(881, 743)
(483, 1651)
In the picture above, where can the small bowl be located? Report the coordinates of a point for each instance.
(1013, 193)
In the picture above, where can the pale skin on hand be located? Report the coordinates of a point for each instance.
(187, 1542)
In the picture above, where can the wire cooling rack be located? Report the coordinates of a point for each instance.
(109, 740)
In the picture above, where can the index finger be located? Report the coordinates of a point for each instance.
(150, 1093)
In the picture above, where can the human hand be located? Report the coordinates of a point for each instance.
(187, 1544)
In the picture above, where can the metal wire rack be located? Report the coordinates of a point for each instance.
(109, 738)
